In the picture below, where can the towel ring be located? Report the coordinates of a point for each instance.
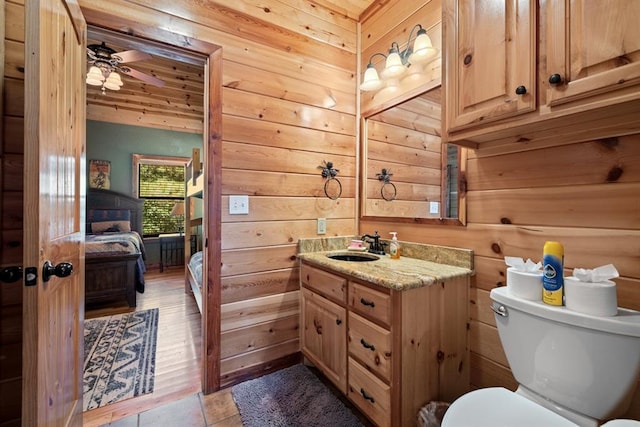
(332, 185)
(335, 192)
(389, 193)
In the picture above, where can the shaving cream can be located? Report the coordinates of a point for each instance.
(552, 273)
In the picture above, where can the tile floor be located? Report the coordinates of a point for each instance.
(214, 410)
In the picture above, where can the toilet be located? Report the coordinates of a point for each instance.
(573, 369)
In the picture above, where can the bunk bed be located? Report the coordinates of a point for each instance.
(194, 255)
(114, 251)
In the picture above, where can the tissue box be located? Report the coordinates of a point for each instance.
(596, 299)
(524, 284)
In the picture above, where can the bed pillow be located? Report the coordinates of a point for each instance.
(108, 220)
(110, 227)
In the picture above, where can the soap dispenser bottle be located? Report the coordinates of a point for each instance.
(394, 246)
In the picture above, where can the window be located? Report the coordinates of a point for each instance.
(160, 182)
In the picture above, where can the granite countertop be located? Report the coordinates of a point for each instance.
(398, 274)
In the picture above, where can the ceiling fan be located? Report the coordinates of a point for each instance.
(105, 64)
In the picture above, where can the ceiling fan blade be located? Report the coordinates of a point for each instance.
(142, 76)
(131, 56)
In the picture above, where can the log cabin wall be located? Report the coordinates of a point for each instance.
(289, 103)
(585, 194)
(11, 167)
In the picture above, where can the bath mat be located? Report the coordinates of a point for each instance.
(291, 397)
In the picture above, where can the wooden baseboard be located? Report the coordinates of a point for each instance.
(242, 375)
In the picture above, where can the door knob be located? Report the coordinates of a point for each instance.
(11, 274)
(63, 269)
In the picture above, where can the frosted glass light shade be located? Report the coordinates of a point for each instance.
(94, 76)
(394, 66)
(423, 49)
(115, 78)
(371, 81)
(113, 81)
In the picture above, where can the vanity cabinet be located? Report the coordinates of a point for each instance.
(398, 349)
(510, 79)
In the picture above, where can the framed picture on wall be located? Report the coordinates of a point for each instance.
(100, 174)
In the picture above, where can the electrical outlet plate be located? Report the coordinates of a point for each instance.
(434, 208)
(238, 205)
(322, 225)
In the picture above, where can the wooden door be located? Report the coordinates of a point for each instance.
(593, 47)
(54, 216)
(490, 50)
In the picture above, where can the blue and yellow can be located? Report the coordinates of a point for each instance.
(552, 273)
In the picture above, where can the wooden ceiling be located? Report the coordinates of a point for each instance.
(351, 8)
(178, 105)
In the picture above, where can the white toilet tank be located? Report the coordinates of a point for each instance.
(584, 363)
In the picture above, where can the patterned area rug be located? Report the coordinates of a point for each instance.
(291, 397)
(119, 357)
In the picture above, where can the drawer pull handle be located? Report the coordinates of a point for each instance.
(338, 322)
(367, 345)
(366, 396)
(369, 303)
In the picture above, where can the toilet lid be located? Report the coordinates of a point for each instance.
(497, 406)
(621, 423)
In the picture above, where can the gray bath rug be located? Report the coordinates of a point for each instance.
(291, 397)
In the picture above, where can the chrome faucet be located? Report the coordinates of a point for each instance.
(375, 246)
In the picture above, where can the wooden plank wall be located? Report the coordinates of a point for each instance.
(584, 194)
(289, 103)
(11, 168)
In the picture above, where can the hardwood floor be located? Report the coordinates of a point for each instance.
(177, 373)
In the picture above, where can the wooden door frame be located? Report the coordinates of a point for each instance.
(210, 355)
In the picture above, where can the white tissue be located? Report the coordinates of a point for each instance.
(598, 274)
(520, 265)
(524, 278)
(591, 291)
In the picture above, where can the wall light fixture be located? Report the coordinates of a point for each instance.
(397, 61)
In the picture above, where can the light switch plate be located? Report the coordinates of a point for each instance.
(238, 205)
(434, 208)
(322, 225)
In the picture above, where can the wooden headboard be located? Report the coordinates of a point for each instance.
(107, 199)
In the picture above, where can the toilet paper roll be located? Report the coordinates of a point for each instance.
(524, 284)
(596, 299)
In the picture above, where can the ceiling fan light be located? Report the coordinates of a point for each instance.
(114, 78)
(111, 85)
(394, 66)
(94, 76)
(371, 81)
(423, 49)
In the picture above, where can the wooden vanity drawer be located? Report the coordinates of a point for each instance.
(371, 344)
(329, 285)
(370, 302)
(368, 393)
